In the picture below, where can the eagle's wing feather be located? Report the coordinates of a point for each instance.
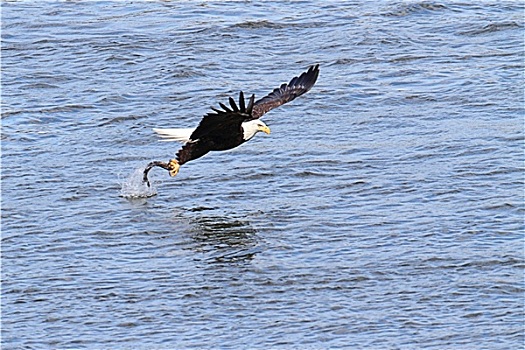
(191, 150)
(286, 92)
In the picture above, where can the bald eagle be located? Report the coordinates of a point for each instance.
(229, 127)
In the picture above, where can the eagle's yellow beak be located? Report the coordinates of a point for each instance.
(265, 129)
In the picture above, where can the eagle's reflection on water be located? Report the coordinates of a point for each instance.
(224, 239)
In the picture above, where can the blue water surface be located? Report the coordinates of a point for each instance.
(385, 210)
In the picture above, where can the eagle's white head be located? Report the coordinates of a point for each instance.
(252, 127)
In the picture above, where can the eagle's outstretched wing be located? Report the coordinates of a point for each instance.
(286, 92)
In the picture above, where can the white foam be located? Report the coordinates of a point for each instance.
(135, 187)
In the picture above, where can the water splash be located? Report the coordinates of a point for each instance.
(134, 186)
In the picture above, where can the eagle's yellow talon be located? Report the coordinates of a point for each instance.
(173, 167)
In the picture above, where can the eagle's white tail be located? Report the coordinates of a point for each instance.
(181, 135)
